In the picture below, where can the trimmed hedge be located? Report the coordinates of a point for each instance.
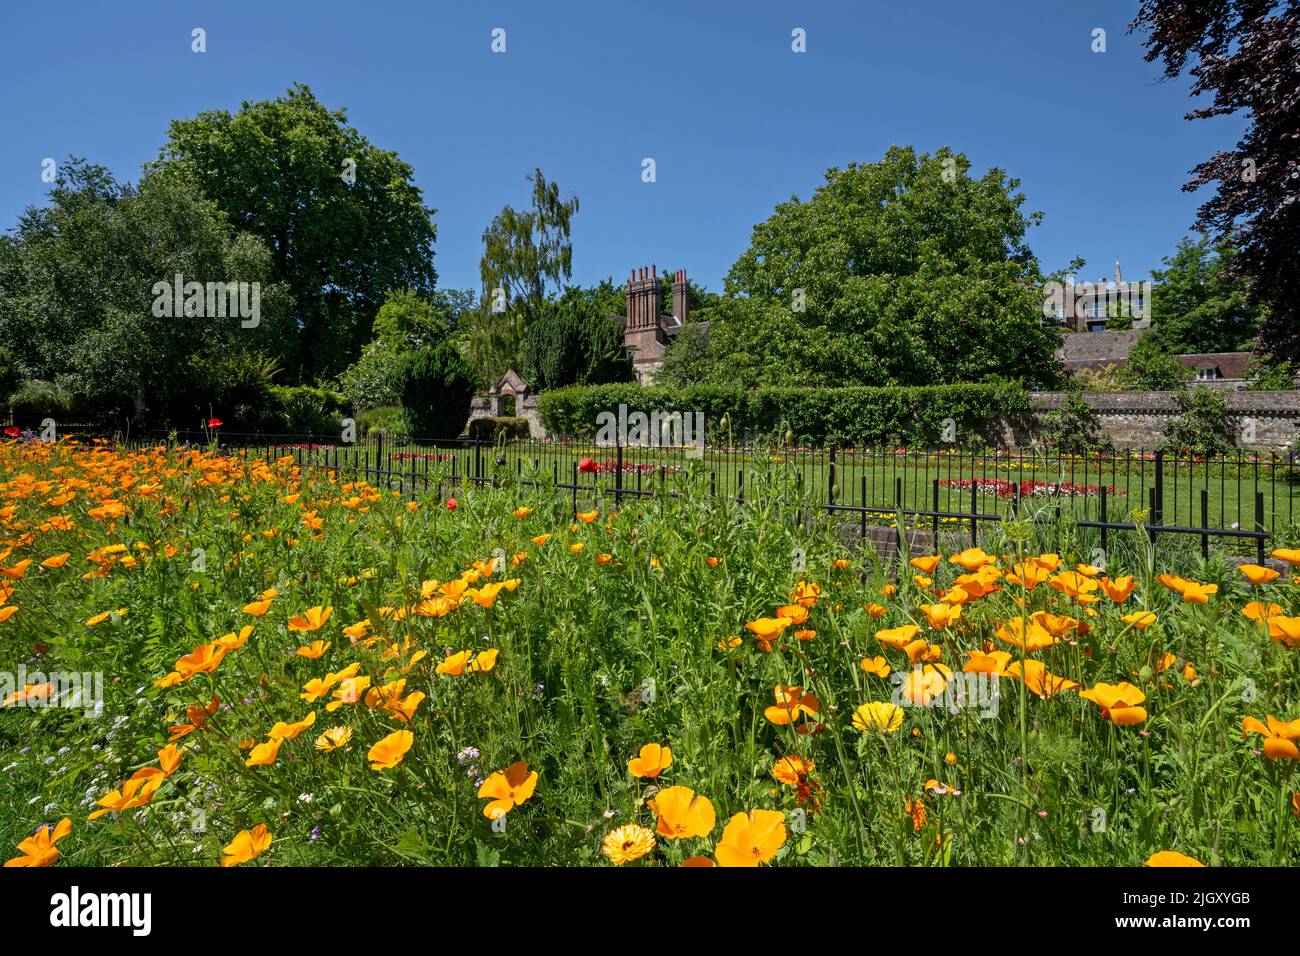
(856, 415)
(489, 429)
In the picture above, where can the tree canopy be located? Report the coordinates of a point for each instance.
(904, 271)
(342, 218)
(1245, 57)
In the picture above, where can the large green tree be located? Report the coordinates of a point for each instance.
(904, 271)
(1199, 304)
(79, 298)
(343, 219)
(1244, 58)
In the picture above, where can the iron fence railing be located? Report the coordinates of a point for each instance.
(1245, 497)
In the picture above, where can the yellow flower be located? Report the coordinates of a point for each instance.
(750, 839)
(652, 761)
(878, 715)
(333, 739)
(313, 620)
(627, 843)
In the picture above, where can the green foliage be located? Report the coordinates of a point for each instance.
(435, 386)
(78, 289)
(35, 400)
(1075, 427)
(309, 410)
(371, 381)
(276, 168)
(908, 271)
(527, 253)
(854, 415)
(385, 421)
(686, 361)
(1273, 376)
(572, 343)
(1198, 303)
(1203, 426)
(10, 376)
(490, 429)
(1152, 367)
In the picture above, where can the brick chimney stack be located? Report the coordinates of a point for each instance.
(681, 296)
(644, 298)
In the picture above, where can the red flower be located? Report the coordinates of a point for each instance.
(13, 431)
(587, 466)
(451, 504)
(215, 423)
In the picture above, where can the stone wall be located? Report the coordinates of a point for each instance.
(1137, 419)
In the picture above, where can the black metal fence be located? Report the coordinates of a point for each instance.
(1243, 498)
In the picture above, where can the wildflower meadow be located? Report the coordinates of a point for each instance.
(218, 659)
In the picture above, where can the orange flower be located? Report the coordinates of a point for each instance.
(1258, 574)
(1038, 680)
(876, 666)
(314, 650)
(484, 661)
(994, 662)
(39, 849)
(1279, 736)
(313, 620)
(1290, 555)
(506, 789)
(972, 559)
(926, 563)
(1284, 630)
(388, 752)
(1035, 637)
(766, 630)
(791, 704)
(940, 615)
(1118, 589)
(454, 664)
(1171, 858)
(333, 739)
(1259, 611)
(284, 731)
(247, 845)
(136, 792)
(1119, 702)
(805, 593)
(263, 755)
(1140, 619)
(257, 608)
(682, 814)
(898, 637)
(750, 839)
(652, 761)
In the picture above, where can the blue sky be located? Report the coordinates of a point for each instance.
(734, 120)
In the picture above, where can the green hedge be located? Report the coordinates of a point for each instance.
(489, 429)
(856, 416)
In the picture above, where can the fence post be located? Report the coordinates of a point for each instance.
(1259, 526)
(936, 514)
(1101, 514)
(830, 478)
(575, 487)
(974, 510)
(1205, 523)
(478, 463)
(618, 472)
(1158, 499)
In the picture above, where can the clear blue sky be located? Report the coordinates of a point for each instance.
(735, 121)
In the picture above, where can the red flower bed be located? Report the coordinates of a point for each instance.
(1030, 489)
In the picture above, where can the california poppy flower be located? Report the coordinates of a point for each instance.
(1279, 736)
(1284, 630)
(652, 761)
(287, 731)
(247, 845)
(766, 630)
(876, 666)
(940, 615)
(682, 813)
(1140, 619)
(1171, 858)
(313, 619)
(314, 650)
(926, 563)
(39, 849)
(1038, 679)
(1118, 702)
(791, 704)
(263, 755)
(972, 559)
(1258, 574)
(898, 637)
(388, 752)
(1118, 589)
(506, 789)
(750, 839)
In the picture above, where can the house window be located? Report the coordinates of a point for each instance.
(1207, 374)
